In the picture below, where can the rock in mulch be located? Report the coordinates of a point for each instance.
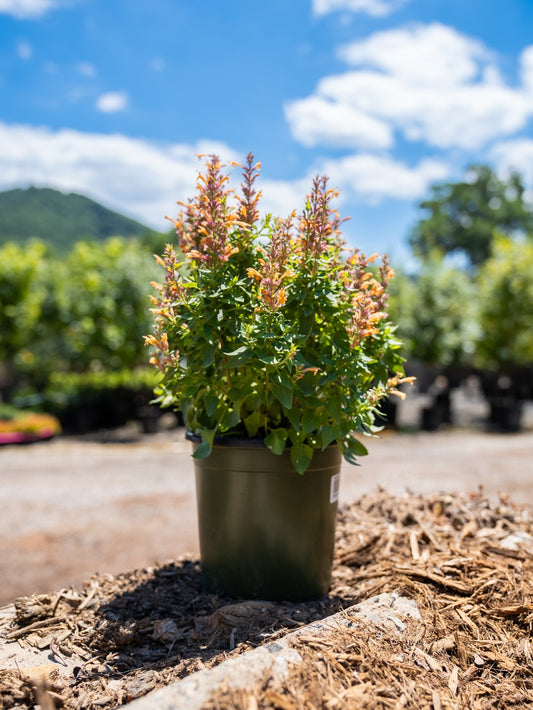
(464, 562)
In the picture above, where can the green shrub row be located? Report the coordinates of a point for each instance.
(448, 316)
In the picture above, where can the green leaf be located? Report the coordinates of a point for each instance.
(356, 447)
(310, 422)
(238, 357)
(294, 416)
(231, 417)
(252, 423)
(253, 401)
(309, 384)
(284, 380)
(266, 357)
(211, 404)
(240, 351)
(329, 433)
(334, 406)
(301, 456)
(282, 394)
(205, 448)
(167, 401)
(276, 440)
(209, 356)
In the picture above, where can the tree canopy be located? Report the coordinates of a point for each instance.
(463, 217)
(506, 306)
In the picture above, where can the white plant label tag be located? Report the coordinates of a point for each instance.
(334, 488)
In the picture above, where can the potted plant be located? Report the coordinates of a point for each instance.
(273, 339)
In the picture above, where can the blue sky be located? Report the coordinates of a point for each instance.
(115, 98)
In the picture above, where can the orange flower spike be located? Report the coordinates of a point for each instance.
(150, 340)
(194, 254)
(254, 274)
(174, 221)
(281, 297)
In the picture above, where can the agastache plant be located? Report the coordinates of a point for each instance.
(270, 328)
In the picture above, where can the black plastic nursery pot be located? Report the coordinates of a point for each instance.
(266, 531)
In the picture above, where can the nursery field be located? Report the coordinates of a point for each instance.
(72, 507)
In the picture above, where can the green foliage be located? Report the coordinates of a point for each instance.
(102, 303)
(268, 329)
(21, 295)
(72, 387)
(436, 310)
(86, 312)
(464, 216)
(60, 220)
(506, 306)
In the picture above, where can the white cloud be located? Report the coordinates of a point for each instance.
(423, 54)
(515, 155)
(319, 120)
(145, 179)
(281, 197)
(526, 65)
(112, 102)
(375, 8)
(136, 177)
(24, 50)
(379, 177)
(27, 9)
(427, 82)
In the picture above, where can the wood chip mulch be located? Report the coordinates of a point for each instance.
(466, 561)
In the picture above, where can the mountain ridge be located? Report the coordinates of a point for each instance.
(60, 219)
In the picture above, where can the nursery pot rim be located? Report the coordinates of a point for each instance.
(254, 442)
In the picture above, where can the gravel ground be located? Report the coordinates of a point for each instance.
(75, 506)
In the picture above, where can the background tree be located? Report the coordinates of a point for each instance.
(21, 300)
(463, 217)
(436, 313)
(103, 305)
(85, 312)
(506, 307)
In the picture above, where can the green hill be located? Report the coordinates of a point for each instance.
(59, 219)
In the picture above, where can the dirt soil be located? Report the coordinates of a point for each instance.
(466, 562)
(119, 501)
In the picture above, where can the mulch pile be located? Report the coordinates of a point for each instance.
(467, 562)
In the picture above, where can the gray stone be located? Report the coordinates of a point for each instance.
(386, 611)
